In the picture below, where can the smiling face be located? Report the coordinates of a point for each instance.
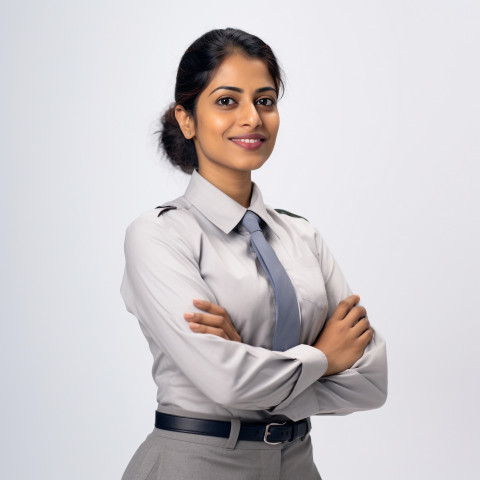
(236, 119)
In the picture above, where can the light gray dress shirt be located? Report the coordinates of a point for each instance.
(197, 251)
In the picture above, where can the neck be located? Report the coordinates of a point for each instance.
(235, 184)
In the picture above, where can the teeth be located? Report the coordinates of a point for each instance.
(247, 140)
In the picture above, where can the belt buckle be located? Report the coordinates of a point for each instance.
(267, 433)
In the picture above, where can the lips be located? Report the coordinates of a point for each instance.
(250, 141)
(250, 136)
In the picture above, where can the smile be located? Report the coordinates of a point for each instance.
(247, 140)
(248, 143)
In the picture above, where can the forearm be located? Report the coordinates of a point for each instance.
(361, 387)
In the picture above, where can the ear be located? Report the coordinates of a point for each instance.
(185, 120)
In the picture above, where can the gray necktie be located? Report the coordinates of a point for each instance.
(287, 317)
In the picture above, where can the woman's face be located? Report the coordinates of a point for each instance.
(236, 118)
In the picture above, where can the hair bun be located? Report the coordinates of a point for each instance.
(180, 151)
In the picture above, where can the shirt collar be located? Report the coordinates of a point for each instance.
(222, 210)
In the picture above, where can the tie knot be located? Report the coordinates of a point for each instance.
(251, 221)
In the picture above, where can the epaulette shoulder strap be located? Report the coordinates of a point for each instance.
(165, 208)
(286, 212)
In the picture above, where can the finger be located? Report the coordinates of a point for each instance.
(214, 321)
(205, 319)
(361, 326)
(345, 306)
(355, 314)
(218, 320)
(198, 328)
(367, 336)
(209, 307)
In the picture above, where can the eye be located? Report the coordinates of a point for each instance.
(225, 101)
(266, 102)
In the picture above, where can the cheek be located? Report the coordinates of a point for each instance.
(219, 125)
(273, 123)
(212, 129)
(273, 129)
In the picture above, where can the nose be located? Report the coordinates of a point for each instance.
(249, 116)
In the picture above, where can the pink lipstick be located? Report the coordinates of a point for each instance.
(250, 142)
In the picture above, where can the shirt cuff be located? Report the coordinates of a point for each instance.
(314, 365)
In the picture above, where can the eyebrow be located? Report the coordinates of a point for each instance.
(239, 90)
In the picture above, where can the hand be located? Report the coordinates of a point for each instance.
(216, 321)
(345, 335)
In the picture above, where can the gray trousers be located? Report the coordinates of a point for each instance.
(168, 455)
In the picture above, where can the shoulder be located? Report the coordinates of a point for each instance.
(158, 243)
(169, 222)
(288, 219)
(295, 224)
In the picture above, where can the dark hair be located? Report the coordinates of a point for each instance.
(195, 70)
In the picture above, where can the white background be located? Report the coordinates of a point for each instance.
(378, 147)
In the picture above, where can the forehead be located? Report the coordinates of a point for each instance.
(240, 71)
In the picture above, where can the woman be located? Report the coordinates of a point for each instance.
(243, 352)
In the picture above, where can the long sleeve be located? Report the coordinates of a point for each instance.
(361, 387)
(364, 385)
(161, 278)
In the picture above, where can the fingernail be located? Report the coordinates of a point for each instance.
(193, 325)
(188, 315)
(197, 300)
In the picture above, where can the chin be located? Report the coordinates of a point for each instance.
(250, 164)
(250, 161)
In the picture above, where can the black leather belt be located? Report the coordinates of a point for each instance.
(272, 433)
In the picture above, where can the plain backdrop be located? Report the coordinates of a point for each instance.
(378, 147)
